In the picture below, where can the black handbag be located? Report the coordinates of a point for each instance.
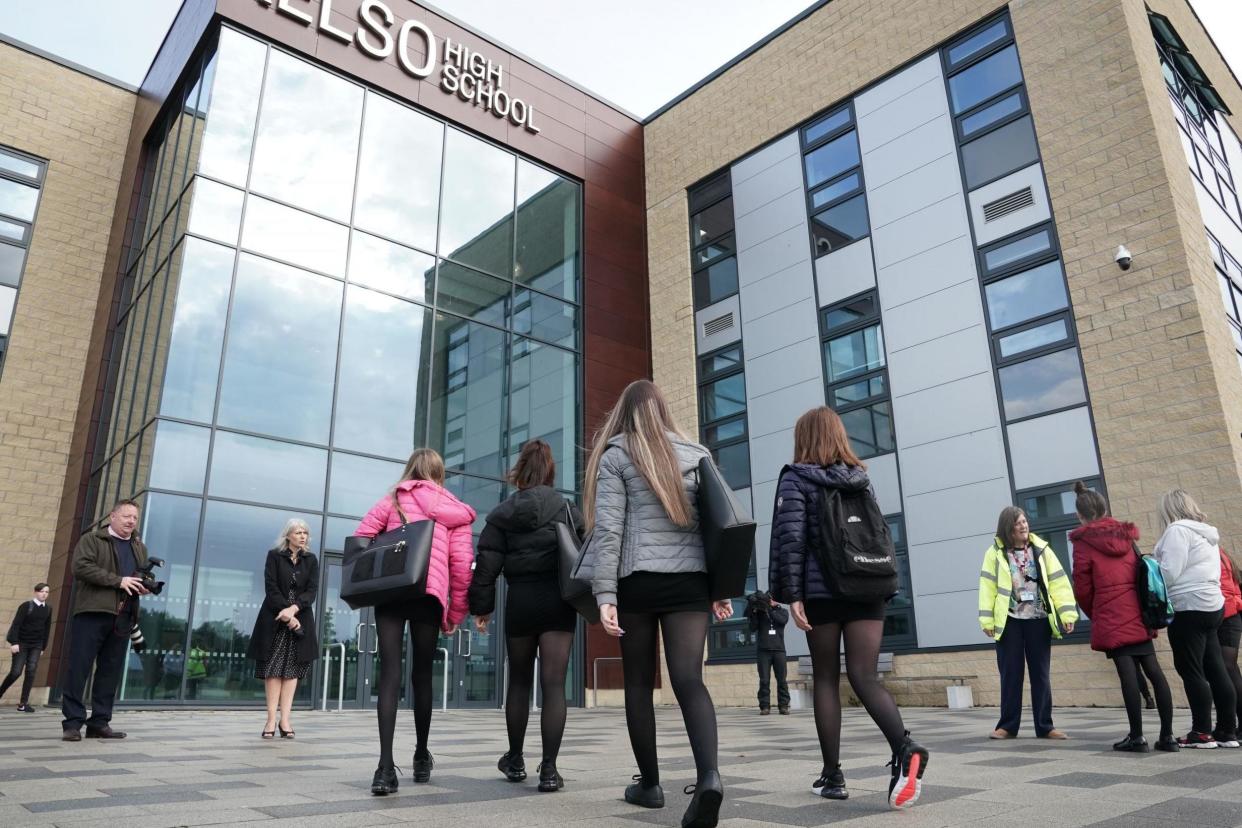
(575, 589)
(728, 533)
(389, 567)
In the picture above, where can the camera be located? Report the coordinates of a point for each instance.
(146, 574)
(758, 601)
(1123, 257)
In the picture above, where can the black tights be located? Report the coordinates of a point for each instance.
(1131, 692)
(553, 649)
(862, 653)
(684, 634)
(391, 628)
(1230, 654)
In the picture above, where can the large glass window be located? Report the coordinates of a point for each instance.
(836, 202)
(547, 230)
(984, 79)
(1046, 383)
(999, 152)
(713, 265)
(20, 179)
(857, 379)
(476, 221)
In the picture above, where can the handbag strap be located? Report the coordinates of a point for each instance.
(397, 505)
(569, 518)
(1136, 549)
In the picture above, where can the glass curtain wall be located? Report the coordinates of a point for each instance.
(322, 280)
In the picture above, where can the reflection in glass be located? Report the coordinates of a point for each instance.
(718, 248)
(710, 191)
(1026, 295)
(718, 281)
(471, 293)
(281, 357)
(295, 237)
(712, 222)
(337, 529)
(180, 458)
(545, 318)
(851, 312)
(999, 152)
(547, 231)
(476, 218)
(1032, 338)
(215, 211)
(18, 165)
(734, 463)
(835, 190)
(1017, 250)
(358, 482)
(340, 624)
(724, 397)
(11, 260)
(838, 226)
(384, 373)
(985, 79)
(398, 191)
(975, 44)
(306, 147)
(855, 353)
(725, 431)
(1042, 384)
(481, 495)
(825, 125)
(832, 159)
(991, 114)
(18, 200)
(267, 471)
(229, 592)
(170, 530)
(12, 231)
(870, 429)
(722, 361)
(231, 108)
(391, 268)
(543, 404)
(857, 391)
(201, 286)
(467, 395)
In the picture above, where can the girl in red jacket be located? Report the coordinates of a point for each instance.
(1105, 573)
(1230, 630)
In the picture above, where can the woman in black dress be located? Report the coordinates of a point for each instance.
(520, 541)
(284, 642)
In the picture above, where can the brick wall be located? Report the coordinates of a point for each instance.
(80, 125)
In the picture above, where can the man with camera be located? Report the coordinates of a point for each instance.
(767, 620)
(108, 567)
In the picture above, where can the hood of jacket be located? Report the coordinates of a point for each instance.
(1203, 530)
(836, 476)
(528, 509)
(1108, 536)
(688, 452)
(437, 503)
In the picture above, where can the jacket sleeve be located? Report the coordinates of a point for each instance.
(376, 520)
(1059, 590)
(1172, 550)
(488, 565)
(47, 626)
(1084, 582)
(461, 557)
(275, 600)
(306, 598)
(610, 505)
(988, 588)
(779, 616)
(787, 551)
(16, 627)
(86, 565)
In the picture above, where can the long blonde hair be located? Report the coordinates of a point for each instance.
(642, 416)
(1175, 505)
(424, 464)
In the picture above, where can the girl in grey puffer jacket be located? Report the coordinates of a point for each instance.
(650, 579)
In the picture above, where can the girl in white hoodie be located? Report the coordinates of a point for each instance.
(1189, 556)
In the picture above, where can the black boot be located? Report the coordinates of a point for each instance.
(648, 796)
(831, 785)
(1132, 744)
(549, 780)
(513, 766)
(704, 810)
(385, 781)
(423, 763)
(1148, 702)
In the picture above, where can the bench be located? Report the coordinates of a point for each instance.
(958, 699)
(884, 665)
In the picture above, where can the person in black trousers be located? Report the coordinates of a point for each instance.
(28, 639)
(767, 621)
(105, 610)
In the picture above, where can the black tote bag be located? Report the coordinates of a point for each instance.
(389, 567)
(575, 589)
(728, 533)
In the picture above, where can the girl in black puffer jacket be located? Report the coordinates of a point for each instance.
(520, 540)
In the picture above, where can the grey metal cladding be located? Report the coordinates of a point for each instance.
(780, 290)
(944, 312)
(845, 272)
(1053, 448)
(773, 255)
(791, 365)
(783, 211)
(713, 318)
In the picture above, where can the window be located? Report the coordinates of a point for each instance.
(722, 413)
(999, 152)
(857, 378)
(836, 201)
(984, 79)
(899, 629)
(713, 265)
(1229, 277)
(21, 178)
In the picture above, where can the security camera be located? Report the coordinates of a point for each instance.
(1123, 257)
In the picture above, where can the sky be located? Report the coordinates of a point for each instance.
(667, 46)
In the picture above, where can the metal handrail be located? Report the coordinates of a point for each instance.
(444, 684)
(595, 678)
(340, 682)
(534, 686)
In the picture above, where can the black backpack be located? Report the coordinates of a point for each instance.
(855, 551)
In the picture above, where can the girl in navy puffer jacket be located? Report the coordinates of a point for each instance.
(824, 460)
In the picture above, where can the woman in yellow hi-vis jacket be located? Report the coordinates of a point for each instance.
(1025, 601)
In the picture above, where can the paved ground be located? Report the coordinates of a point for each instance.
(205, 768)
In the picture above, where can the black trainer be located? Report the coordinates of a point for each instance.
(647, 796)
(385, 781)
(513, 766)
(1132, 744)
(831, 785)
(423, 763)
(907, 782)
(704, 808)
(549, 780)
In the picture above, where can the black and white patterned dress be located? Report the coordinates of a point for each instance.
(283, 662)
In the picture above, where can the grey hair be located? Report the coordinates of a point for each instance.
(1175, 505)
(291, 526)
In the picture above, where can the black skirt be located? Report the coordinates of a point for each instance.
(664, 592)
(833, 611)
(1143, 648)
(534, 607)
(423, 610)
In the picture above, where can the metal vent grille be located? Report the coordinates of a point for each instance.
(718, 325)
(1011, 203)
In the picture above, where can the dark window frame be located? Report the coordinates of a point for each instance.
(872, 319)
(813, 210)
(706, 378)
(956, 66)
(988, 275)
(38, 181)
(1027, 358)
(1005, 361)
(1024, 108)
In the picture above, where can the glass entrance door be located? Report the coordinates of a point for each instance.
(473, 674)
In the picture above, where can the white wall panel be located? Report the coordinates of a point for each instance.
(946, 264)
(946, 565)
(955, 513)
(715, 312)
(904, 155)
(779, 410)
(957, 461)
(949, 358)
(764, 159)
(944, 312)
(958, 407)
(929, 184)
(779, 329)
(844, 273)
(920, 231)
(782, 178)
(899, 84)
(1053, 448)
(781, 213)
(773, 255)
(780, 290)
(920, 105)
(948, 620)
(990, 231)
(791, 365)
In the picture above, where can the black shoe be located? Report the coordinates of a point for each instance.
(783, 710)
(25, 708)
(648, 796)
(704, 809)
(1132, 744)
(907, 781)
(513, 766)
(1168, 744)
(423, 763)
(549, 780)
(831, 785)
(71, 735)
(765, 711)
(1149, 703)
(105, 732)
(385, 781)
